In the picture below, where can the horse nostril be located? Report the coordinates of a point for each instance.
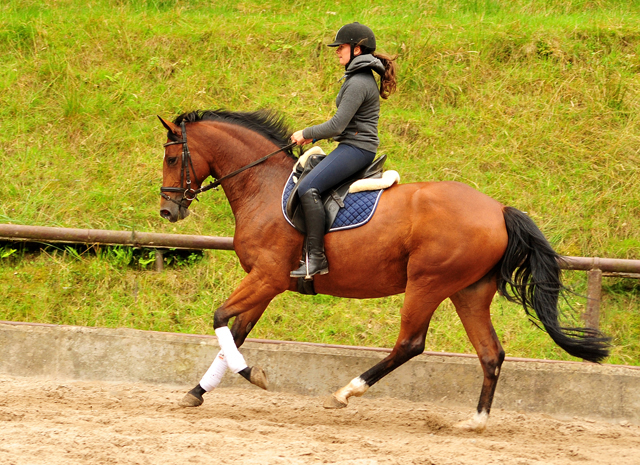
(165, 214)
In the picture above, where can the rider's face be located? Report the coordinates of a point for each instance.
(344, 53)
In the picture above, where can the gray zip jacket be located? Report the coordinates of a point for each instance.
(356, 120)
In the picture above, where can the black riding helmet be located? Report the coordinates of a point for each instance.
(355, 34)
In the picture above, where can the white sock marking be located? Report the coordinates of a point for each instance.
(356, 387)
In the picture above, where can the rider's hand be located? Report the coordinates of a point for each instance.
(299, 139)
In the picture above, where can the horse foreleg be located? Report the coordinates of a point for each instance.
(244, 323)
(247, 304)
(472, 305)
(210, 380)
(416, 315)
(213, 377)
(241, 328)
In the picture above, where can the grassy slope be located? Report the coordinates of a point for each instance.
(531, 102)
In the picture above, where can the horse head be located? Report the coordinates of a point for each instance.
(180, 178)
(222, 144)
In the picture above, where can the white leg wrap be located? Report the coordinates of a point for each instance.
(234, 358)
(214, 374)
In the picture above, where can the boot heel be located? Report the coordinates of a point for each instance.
(309, 277)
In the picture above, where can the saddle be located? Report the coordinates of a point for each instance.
(333, 199)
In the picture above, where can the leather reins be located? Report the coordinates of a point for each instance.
(188, 193)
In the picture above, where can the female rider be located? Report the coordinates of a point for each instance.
(354, 126)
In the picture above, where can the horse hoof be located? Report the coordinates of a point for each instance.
(189, 400)
(333, 402)
(469, 425)
(478, 423)
(258, 377)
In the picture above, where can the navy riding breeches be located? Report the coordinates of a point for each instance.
(344, 161)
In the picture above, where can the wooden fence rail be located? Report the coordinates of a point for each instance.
(595, 267)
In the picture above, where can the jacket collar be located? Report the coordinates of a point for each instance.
(362, 62)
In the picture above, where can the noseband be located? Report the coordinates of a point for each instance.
(188, 193)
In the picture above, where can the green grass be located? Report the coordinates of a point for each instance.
(532, 102)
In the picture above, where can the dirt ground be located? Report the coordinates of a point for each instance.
(53, 422)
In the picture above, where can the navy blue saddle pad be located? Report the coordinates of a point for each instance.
(359, 207)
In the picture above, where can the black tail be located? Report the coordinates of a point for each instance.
(536, 285)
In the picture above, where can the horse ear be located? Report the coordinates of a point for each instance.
(171, 127)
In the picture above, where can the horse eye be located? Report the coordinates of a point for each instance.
(172, 161)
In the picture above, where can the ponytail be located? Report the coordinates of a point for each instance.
(388, 81)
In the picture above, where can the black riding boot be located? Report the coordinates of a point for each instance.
(316, 261)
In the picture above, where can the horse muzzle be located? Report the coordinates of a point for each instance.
(173, 212)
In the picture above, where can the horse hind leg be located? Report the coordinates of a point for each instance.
(472, 305)
(416, 315)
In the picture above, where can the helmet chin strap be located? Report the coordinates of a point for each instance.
(352, 56)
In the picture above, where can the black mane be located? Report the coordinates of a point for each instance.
(268, 123)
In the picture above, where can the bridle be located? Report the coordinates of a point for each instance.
(188, 193)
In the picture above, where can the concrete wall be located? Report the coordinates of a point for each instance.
(562, 389)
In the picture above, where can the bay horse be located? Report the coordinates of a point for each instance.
(430, 241)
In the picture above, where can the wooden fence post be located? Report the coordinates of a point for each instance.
(594, 287)
(159, 260)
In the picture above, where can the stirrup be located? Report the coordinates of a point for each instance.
(305, 272)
